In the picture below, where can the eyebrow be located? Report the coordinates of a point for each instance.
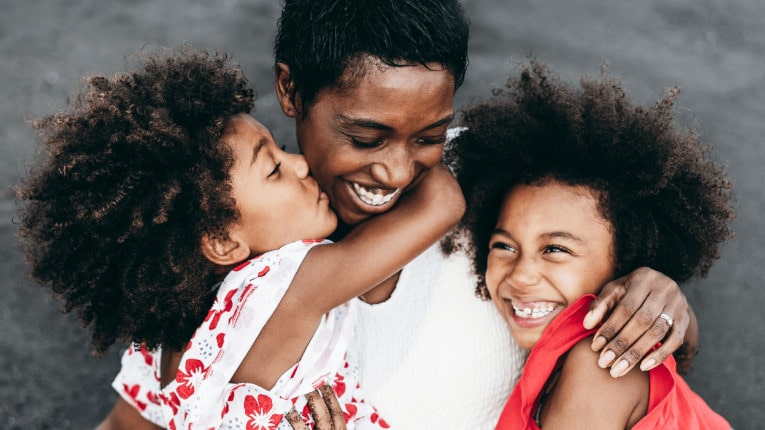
(368, 123)
(549, 235)
(561, 234)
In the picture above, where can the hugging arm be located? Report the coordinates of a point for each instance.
(332, 274)
(379, 247)
(646, 307)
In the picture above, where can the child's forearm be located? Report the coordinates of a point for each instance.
(380, 246)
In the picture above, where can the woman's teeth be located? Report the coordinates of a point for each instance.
(373, 196)
(537, 311)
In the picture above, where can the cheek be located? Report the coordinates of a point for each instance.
(424, 157)
(336, 162)
(430, 157)
(494, 275)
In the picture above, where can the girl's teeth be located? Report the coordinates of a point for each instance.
(536, 312)
(373, 196)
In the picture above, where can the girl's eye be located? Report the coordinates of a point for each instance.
(432, 140)
(552, 249)
(501, 246)
(276, 170)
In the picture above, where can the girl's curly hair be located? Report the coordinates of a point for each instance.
(669, 203)
(135, 175)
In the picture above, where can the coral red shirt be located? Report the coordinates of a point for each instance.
(671, 405)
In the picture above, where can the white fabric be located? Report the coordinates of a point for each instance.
(434, 355)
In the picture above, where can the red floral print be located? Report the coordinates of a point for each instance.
(375, 418)
(219, 309)
(134, 391)
(259, 410)
(188, 380)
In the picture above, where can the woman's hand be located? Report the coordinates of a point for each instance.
(325, 410)
(648, 308)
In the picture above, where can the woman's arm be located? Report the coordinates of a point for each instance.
(634, 327)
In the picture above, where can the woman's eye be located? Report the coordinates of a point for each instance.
(366, 143)
(276, 170)
(432, 140)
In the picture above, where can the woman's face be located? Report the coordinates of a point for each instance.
(371, 139)
(550, 246)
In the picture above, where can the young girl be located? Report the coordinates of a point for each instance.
(167, 216)
(567, 189)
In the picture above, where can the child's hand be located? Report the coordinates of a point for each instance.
(648, 308)
(438, 191)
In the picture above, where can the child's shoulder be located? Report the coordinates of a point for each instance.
(583, 388)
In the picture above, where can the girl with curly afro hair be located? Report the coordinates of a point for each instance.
(164, 215)
(568, 188)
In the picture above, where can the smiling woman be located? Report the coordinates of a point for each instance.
(372, 136)
(651, 44)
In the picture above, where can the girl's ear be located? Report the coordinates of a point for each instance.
(285, 90)
(224, 252)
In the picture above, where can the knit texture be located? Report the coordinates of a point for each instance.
(434, 355)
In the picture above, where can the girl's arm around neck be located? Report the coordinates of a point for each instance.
(587, 397)
(380, 246)
(332, 274)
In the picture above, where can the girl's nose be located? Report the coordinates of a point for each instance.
(299, 165)
(523, 274)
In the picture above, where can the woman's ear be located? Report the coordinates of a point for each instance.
(224, 252)
(285, 90)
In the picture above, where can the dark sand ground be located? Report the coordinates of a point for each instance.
(714, 49)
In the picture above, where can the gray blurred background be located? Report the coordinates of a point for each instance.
(714, 49)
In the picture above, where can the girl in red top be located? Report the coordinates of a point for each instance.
(568, 188)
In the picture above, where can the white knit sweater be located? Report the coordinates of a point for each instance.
(434, 355)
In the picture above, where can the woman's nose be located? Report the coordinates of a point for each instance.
(396, 169)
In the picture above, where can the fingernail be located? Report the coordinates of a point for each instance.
(647, 365)
(606, 358)
(619, 369)
(588, 320)
(598, 343)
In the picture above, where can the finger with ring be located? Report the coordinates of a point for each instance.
(667, 318)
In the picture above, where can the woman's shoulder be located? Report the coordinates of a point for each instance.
(583, 388)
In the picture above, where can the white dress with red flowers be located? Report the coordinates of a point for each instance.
(201, 396)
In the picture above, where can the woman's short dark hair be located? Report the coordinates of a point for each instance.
(134, 175)
(669, 203)
(320, 39)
